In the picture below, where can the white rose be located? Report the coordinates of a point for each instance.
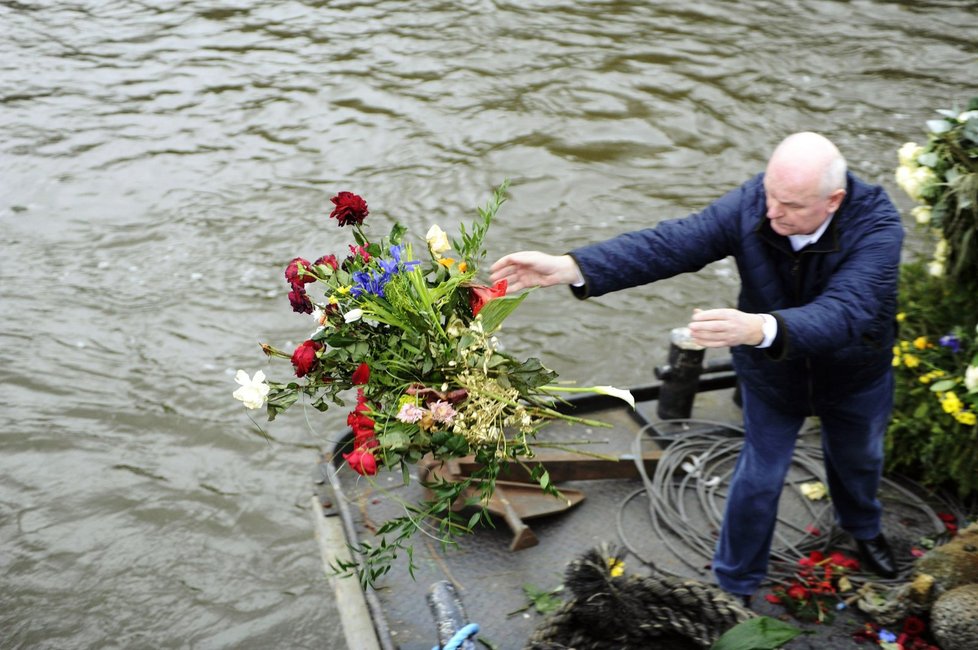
(353, 315)
(925, 177)
(437, 240)
(922, 213)
(936, 269)
(905, 179)
(908, 154)
(253, 391)
(971, 379)
(967, 115)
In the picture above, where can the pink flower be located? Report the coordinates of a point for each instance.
(410, 413)
(442, 412)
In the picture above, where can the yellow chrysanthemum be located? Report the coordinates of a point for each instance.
(463, 267)
(966, 418)
(911, 361)
(920, 342)
(901, 317)
(904, 345)
(896, 350)
(950, 403)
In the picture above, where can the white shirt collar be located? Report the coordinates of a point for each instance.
(798, 242)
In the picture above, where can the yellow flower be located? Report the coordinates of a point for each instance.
(813, 490)
(920, 342)
(333, 300)
(911, 361)
(950, 403)
(896, 362)
(343, 290)
(615, 566)
(446, 262)
(901, 317)
(967, 418)
(922, 214)
(904, 345)
(463, 267)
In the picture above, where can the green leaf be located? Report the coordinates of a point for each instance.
(495, 311)
(530, 374)
(943, 385)
(760, 633)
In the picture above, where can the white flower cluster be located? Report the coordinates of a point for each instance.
(913, 177)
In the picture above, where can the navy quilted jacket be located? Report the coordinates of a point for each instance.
(835, 300)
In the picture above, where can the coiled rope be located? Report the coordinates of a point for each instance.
(710, 449)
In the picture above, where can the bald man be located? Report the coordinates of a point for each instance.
(818, 252)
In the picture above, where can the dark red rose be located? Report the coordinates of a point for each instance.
(304, 358)
(480, 294)
(362, 462)
(328, 260)
(297, 277)
(300, 301)
(350, 208)
(361, 375)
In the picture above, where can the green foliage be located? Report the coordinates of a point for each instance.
(933, 435)
(758, 633)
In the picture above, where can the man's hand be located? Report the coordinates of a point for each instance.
(718, 328)
(533, 268)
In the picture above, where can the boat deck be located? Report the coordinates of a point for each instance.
(672, 532)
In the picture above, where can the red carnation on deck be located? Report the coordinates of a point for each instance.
(304, 358)
(480, 294)
(350, 208)
(361, 375)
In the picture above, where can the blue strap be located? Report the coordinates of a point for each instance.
(456, 641)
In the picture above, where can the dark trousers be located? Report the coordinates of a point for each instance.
(852, 441)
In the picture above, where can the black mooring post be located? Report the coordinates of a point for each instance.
(680, 377)
(449, 615)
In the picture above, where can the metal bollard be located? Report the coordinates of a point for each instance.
(449, 615)
(680, 377)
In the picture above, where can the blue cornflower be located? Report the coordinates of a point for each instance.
(950, 341)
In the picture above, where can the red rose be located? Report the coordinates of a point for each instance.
(328, 260)
(362, 462)
(480, 294)
(361, 375)
(350, 208)
(305, 359)
(297, 276)
(797, 592)
(300, 301)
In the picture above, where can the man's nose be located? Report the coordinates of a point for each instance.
(773, 210)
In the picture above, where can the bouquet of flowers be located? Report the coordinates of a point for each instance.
(415, 336)
(934, 430)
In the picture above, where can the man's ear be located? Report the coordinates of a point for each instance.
(835, 199)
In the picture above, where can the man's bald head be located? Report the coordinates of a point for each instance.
(805, 183)
(811, 160)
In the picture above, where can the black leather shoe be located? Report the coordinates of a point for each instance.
(877, 556)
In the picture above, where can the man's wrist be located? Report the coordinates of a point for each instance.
(769, 330)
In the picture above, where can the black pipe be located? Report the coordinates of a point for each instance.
(681, 381)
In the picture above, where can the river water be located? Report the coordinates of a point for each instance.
(161, 162)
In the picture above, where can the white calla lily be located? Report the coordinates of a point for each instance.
(353, 315)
